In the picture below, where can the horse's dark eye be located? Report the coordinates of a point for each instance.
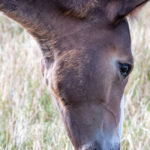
(125, 69)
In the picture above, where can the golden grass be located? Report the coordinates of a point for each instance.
(29, 120)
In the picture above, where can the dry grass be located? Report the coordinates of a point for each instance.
(29, 120)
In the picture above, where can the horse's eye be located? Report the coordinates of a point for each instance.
(125, 69)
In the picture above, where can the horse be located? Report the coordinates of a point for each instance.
(87, 59)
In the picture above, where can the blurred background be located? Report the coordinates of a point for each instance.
(29, 119)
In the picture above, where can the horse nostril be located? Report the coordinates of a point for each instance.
(92, 146)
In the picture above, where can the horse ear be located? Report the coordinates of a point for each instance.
(118, 9)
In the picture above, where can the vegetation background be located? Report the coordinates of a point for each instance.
(29, 119)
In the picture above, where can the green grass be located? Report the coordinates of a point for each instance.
(28, 117)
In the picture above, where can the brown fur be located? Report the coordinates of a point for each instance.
(83, 42)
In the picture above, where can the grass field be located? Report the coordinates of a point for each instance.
(29, 119)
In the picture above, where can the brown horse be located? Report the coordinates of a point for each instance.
(87, 59)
